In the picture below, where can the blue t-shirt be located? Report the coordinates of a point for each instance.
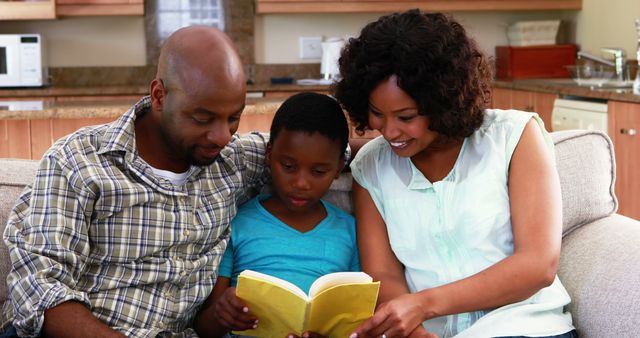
(263, 243)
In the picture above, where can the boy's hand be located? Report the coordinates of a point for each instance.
(232, 313)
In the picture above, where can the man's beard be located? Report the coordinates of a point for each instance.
(193, 160)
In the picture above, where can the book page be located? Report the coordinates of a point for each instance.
(337, 311)
(332, 279)
(275, 280)
(279, 310)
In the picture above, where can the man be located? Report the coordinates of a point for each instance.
(123, 228)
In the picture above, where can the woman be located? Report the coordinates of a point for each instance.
(458, 207)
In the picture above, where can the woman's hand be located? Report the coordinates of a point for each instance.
(421, 332)
(232, 313)
(307, 334)
(397, 318)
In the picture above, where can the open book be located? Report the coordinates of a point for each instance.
(337, 303)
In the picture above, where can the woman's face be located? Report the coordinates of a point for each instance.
(395, 115)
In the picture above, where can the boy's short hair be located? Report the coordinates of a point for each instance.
(312, 112)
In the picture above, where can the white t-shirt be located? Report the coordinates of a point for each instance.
(177, 179)
(454, 228)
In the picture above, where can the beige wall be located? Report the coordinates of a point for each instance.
(599, 24)
(277, 35)
(120, 41)
(608, 24)
(87, 41)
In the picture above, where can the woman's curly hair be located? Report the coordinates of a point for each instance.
(436, 64)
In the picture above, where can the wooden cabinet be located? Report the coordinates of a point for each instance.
(541, 103)
(27, 10)
(624, 129)
(31, 137)
(51, 9)
(99, 7)
(14, 139)
(355, 6)
(285, 94)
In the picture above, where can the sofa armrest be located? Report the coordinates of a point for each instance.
(600, 268)
(14, 175)
(587, 169)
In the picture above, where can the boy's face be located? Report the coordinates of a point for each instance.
(303, 166)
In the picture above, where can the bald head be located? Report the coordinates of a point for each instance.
(198, 58)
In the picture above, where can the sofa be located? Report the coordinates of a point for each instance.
(600, 258)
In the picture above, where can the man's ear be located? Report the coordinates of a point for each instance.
(267, 154)
(157, 93)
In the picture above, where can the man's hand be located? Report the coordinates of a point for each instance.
(232, 313)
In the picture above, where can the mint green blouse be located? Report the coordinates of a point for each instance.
(447, 230)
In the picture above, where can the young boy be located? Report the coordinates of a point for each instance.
(291, 234)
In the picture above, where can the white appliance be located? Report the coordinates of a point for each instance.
(579, 114)
(329, 67)
(331, 49)
(20, 60)
(21, 105)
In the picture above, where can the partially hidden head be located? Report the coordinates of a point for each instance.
(198, 93)
(431, 58)
(308, 137)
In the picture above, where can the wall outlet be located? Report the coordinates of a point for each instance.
(311, 47)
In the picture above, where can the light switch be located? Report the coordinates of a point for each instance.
(310, 47)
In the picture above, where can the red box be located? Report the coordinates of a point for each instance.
(534, 62)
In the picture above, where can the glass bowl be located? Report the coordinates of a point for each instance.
(591, 75)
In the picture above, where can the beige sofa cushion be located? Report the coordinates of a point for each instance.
(599, 267)
(585, 198)
(14, 175)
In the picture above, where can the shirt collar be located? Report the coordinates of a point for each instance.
(120, 135)
(418, 180)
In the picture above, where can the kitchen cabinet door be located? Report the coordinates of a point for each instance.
(63, 127)
(522, 100)
(27, 10)
(41, 137)
(45, 132)
(255, 122)
(501, 98)
(272, 94)
(541, 103)
(99, 7)
(624, 126)
(15, 139)
(386, 6)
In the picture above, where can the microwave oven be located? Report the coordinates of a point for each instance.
(20, 60)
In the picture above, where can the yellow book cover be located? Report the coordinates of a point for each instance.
(336, 304)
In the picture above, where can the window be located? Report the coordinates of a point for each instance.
(235, 17)
(172, 15)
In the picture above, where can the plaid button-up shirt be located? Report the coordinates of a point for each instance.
(97, 226)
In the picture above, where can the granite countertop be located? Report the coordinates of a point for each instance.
(112, 101)
(566, 87)
(103, 109)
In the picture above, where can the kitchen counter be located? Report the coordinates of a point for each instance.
(112, 101)
(106, 109)
(136, 90)
(566, 87)
(557, 86)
